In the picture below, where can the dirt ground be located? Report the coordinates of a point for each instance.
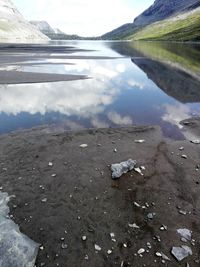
(76, 197)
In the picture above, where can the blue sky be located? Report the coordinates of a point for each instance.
(83, 17)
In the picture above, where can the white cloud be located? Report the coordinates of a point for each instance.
(83, 17)
(118, 119)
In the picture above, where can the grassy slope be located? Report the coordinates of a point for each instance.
(183, 29)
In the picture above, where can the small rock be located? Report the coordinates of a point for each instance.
(97, 248)
(54, 175)
(196, 142)
(185, 233)
(50, 164)
(184, 156)
(44, 200)
(64, 246)
(84, 238)
(138, 170)
(163, 228)
(136, 204)
(120, 168)
(181, 148)
(115, 150)
(83, 145)
(183, 212)
(109, 252)
(139, 141)
(141, 251)
(181, 253)
(150, 216)
(134, 225)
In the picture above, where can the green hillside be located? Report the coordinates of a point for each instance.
(184, 27)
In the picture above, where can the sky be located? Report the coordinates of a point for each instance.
(83, 17)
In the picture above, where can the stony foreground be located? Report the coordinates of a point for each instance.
(65, 199)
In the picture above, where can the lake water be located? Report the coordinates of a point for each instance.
(141, 83)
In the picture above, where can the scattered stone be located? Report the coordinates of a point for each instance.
(164, 257)
(163, 228)
(86, 257)
(115, 150)
(183, 212)
(140, 141)
(150, 216)
(158, 254)
(136, 204)
(83, 145)
(184, 156)
(196, 142)
(149, 245)
(181, 148)
(109, 252)
(134, 225)
(44, 200)
(64, 246)
(185, 233)
(41, 248)
(97, 248)
(50, 164)
(54, 175)
(141, 251)
(120, 168)
(181, 253)
(138, 170)
(84, 238)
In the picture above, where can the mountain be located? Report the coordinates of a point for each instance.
(177, 16)
(56, 34)
(14, 27)
(182, 27)
(162, 9)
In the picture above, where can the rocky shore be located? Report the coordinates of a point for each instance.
(66, 200)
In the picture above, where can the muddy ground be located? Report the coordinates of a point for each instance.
(57, 205)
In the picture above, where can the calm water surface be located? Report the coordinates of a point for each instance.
(144, 83)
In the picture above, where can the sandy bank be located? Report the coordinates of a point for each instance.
(57, 205)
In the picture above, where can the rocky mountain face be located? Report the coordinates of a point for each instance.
(162, 9)
(14, 27)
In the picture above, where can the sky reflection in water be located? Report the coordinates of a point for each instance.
(118, 93)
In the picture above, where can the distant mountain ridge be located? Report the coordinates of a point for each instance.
(162, 9)
(14, 27)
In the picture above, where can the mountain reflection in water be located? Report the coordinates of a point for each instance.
(149, 83)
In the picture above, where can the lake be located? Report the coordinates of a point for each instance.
(128, 84)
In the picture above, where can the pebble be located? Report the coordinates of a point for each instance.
(50, 164)
(84, 238)
(64, 246)
(184, 156)
(97, 247)
(44, 200)
(134, 225)
(141, 251)
(139, 141)
(83, 145)
(54, 175)
(150, 216)
(109, 252)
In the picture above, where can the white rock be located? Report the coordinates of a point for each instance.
(141, 251)
(134, 225)
(185, 233)
(139, 141)
(138, 170)
(83, 145)
(181, 253)
(50, 164)
(120, 168)
(196, 142)
(109, 252)
(97, 248)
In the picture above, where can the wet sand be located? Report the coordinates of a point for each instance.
(22, 55)
(57, 205)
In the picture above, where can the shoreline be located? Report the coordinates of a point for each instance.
(81, 199)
